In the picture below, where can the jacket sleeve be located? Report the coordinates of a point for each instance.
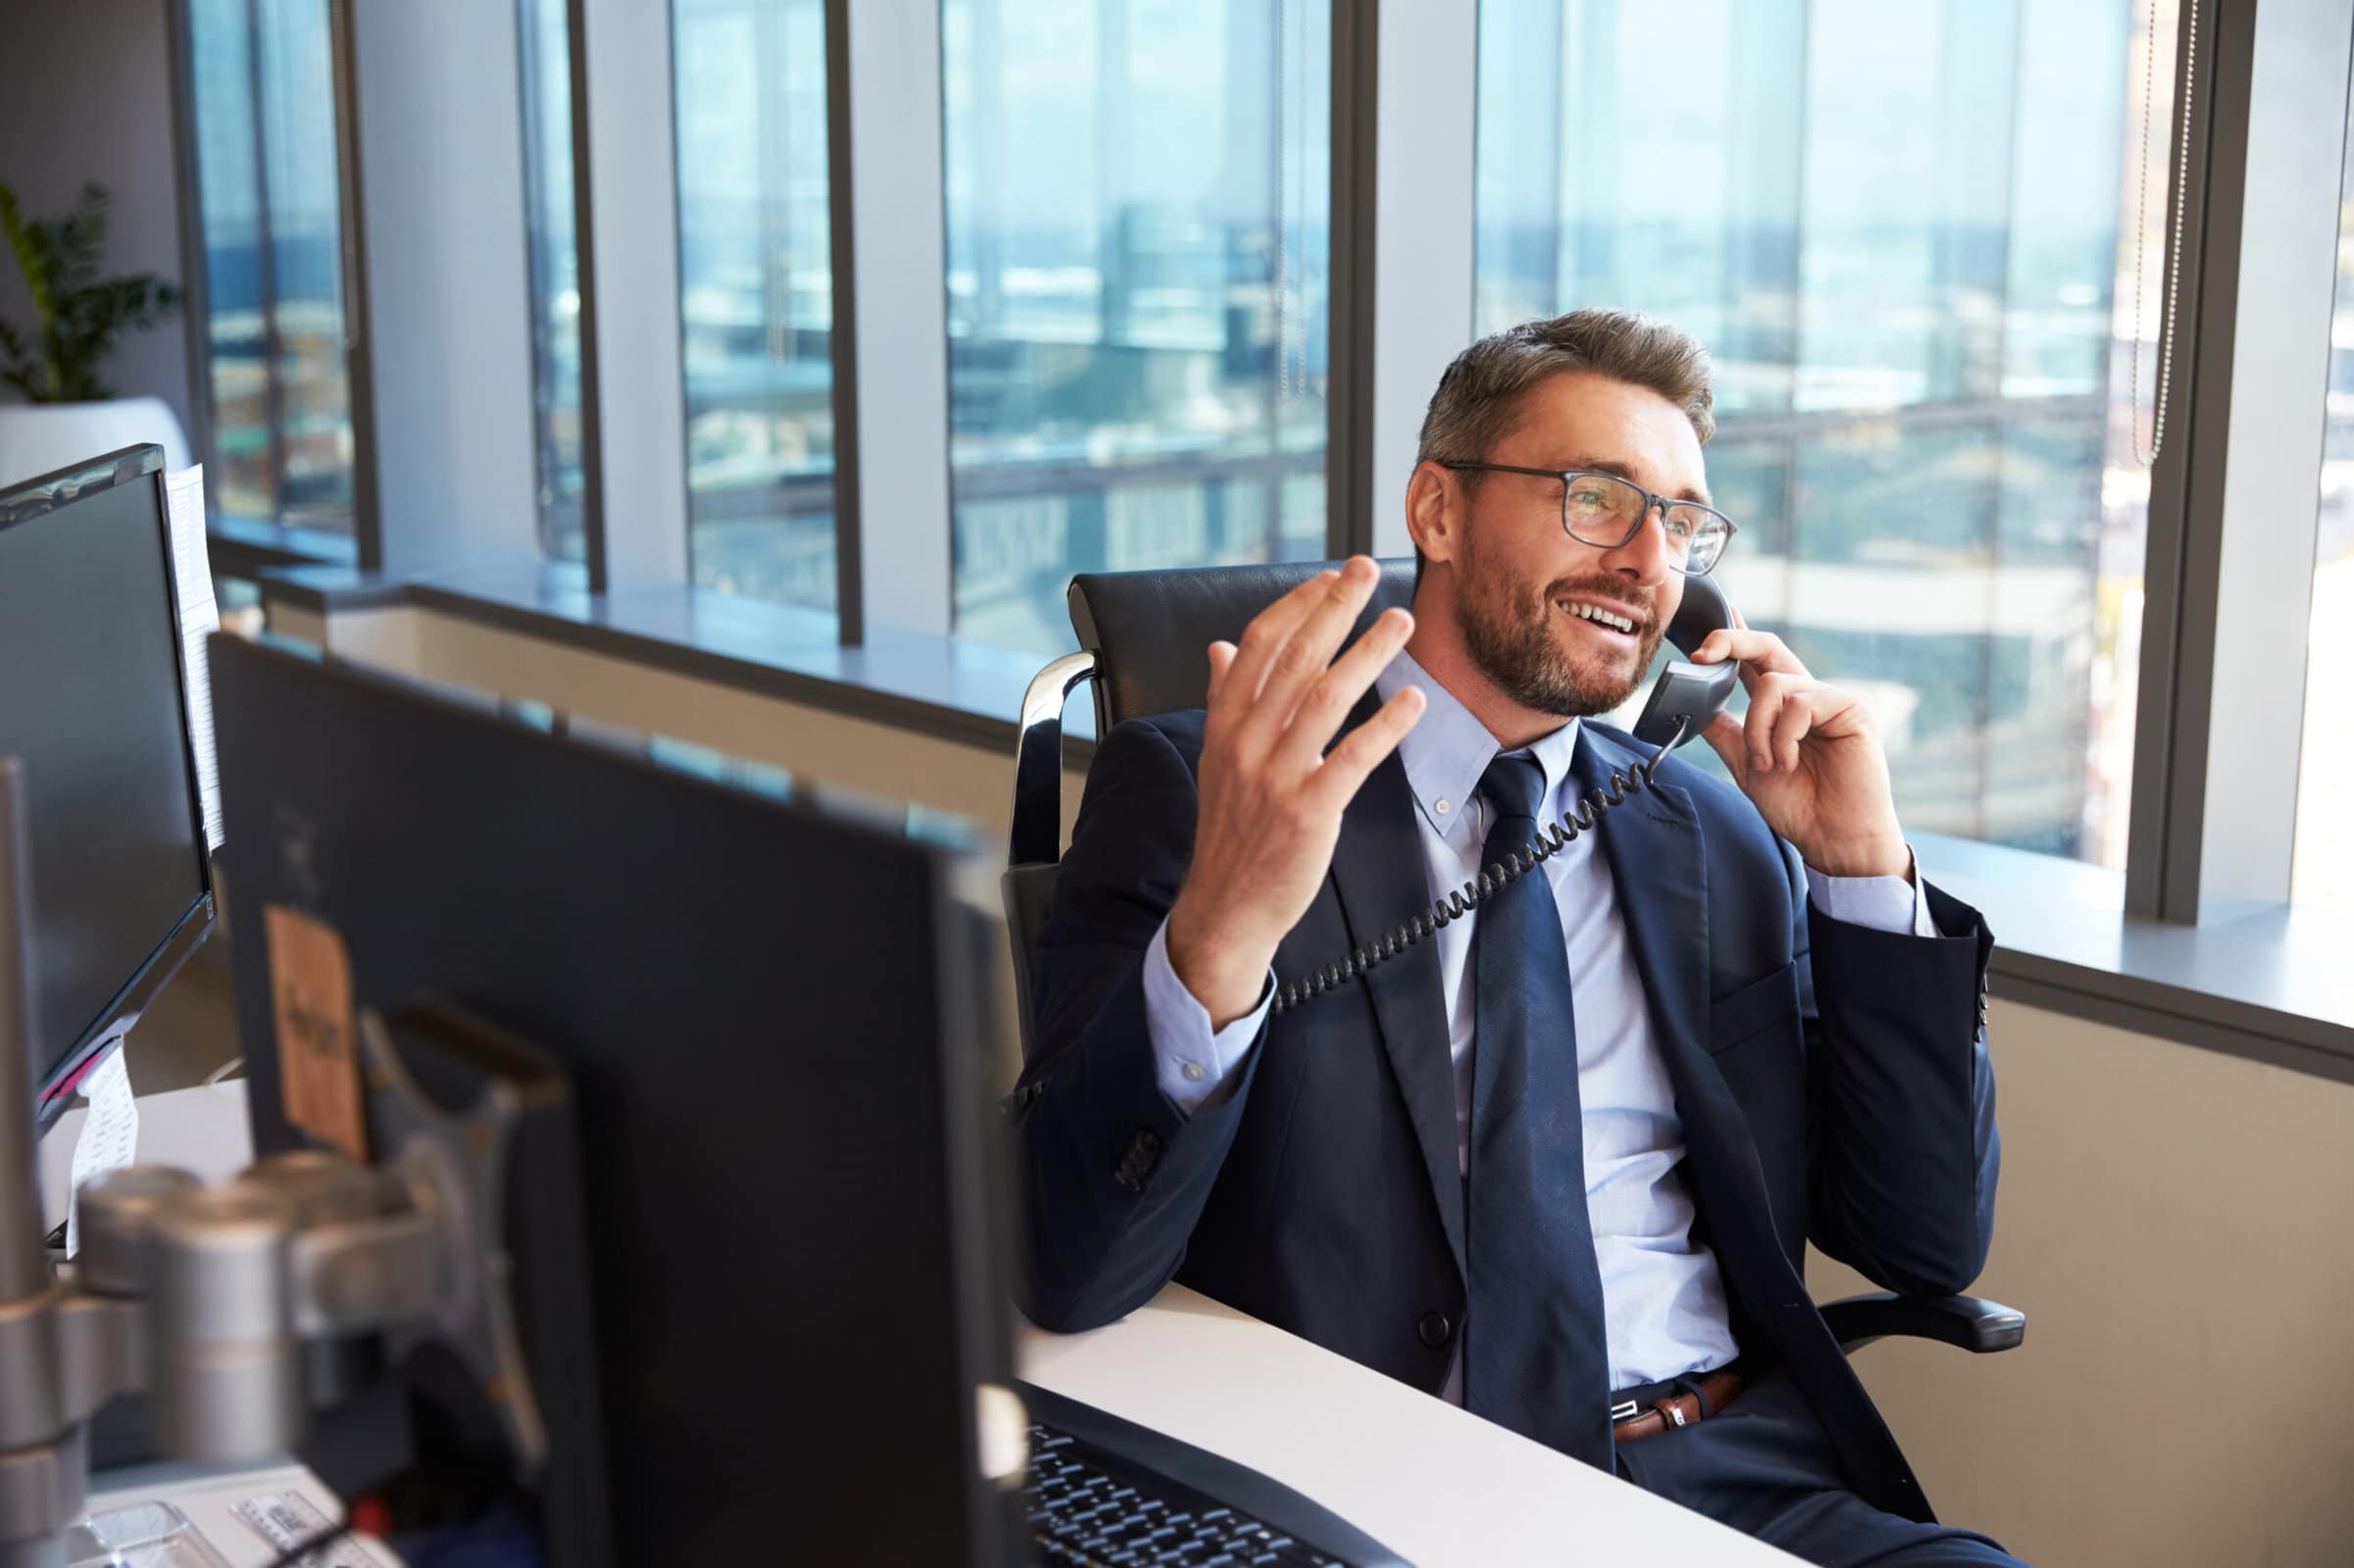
(1111, 1175)
(1902, 1150)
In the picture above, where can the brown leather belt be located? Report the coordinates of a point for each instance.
(1706, 1397)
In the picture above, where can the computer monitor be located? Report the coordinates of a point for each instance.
(771, 1020)
(94, 704)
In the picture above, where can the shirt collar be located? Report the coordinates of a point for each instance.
(1448, 749)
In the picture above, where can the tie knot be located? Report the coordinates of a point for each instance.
(1513, 785)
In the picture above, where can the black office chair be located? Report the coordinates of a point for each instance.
(1143, 637)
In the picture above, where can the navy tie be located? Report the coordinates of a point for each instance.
(1535, 1356)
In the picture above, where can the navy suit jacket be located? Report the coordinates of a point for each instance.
(1832, 1082)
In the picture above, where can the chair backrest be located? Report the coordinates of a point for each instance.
(1151, 631)
(1144, 638)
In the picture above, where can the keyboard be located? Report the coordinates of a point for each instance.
(1103, 1493)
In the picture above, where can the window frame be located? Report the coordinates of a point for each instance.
(2217, 723)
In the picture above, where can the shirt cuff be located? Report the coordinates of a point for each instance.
(1876, 904)
(1194, 1064)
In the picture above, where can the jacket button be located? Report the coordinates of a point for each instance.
(1434, 1328)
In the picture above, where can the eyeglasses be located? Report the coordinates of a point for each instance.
(1608, 512)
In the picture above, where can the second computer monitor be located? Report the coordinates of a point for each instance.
(93, 704)
(770, 1021)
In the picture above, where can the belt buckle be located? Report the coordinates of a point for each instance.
(1624, 1411)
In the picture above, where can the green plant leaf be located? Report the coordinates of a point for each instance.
(77, 311)
(82, 236)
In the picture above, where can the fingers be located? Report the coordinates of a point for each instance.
(1780, 713)
(1265, 636)
(1348, 765)
(1328, 700)
(1784, 710)
(1724, 737)
(1308, 649)
(1760, 652)
(1221, 660)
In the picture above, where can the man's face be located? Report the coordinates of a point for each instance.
(1521, 580)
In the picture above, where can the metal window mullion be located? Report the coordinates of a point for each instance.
(196, 317)
(1278, 20)
(2230, 566)
(625, 169)
(266, 265)
(849, 561)
(894, 498)
(1404, 167)
(539, 258)
(2153, 847)
(1350, 354)
(359, 376)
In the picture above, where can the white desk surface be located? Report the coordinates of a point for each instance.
(200, 1129)
(1435, 1485)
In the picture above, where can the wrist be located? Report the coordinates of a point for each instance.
(1226, 976)
(1886, 855)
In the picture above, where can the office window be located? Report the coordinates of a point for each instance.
(756, 287)
(2324, 869)
(1908, 235)
(553, 256)
(1137, 269)
(270, 209)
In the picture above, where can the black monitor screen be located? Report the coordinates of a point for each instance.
(91, 704)
(769, 1018)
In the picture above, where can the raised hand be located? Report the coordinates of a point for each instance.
(1809, 757)
(1271, 794)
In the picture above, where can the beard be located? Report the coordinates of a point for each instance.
(1508, 631)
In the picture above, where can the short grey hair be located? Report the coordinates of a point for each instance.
(1479, 396)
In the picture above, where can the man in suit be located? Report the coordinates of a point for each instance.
(1557, 1158)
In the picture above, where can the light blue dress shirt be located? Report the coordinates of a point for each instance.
(1664, 1300)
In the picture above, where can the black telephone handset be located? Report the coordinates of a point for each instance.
(1682, 701)
(1689, 694)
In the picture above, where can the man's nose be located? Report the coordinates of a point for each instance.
(1645, 558)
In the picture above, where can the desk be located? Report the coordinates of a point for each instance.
(1434, 1483)
(200, 1129)
(209, 1498)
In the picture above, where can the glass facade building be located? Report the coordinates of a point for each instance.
(1908, 235)
(756, 297)
(1137, 196)
(270, 205)
(552, 257)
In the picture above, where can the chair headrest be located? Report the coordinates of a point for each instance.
(1151, 631)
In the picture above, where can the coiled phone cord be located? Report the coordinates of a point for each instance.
(1550, 840)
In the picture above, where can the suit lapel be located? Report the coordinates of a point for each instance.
(1377, 872)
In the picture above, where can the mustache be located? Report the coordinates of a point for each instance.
(1641, 609)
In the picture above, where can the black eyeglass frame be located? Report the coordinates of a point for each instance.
(1651, 503)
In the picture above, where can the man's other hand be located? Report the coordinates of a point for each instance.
(1271, 794)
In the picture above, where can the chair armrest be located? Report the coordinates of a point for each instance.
(1975, 1325)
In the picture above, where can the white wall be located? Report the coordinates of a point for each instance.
(86, 93)
(2179, 1226)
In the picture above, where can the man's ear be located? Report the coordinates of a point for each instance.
(1434, 512)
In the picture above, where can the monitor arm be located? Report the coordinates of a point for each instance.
(244, 1306)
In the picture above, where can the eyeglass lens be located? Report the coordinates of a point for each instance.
(1603, 511)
